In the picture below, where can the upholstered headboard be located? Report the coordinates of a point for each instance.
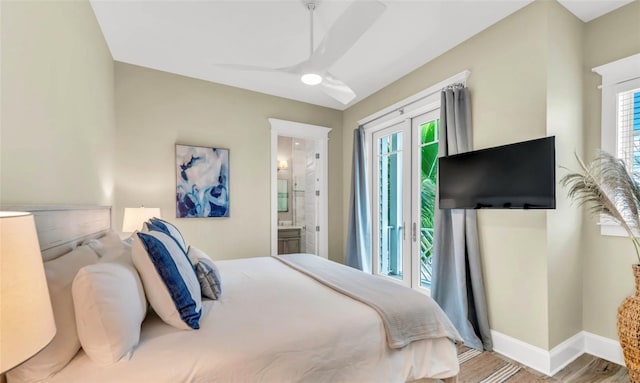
(62, 228)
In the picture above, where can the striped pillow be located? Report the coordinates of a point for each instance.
(207, 272)
(168, 228)
(169, 280)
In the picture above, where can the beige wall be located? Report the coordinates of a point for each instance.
(530, 77)
(155, 110)
(548, 274)
(57, 126)
(607, 260)
(508, 92)
(564, 120)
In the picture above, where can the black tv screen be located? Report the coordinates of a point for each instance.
(515, 176)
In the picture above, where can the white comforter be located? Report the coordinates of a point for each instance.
(407, 314)
(272, 324)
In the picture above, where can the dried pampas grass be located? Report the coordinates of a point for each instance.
(606, 187)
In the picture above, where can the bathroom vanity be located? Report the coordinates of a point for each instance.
(289, 238)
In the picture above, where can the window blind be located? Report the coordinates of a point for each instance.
(620, 129)
(628, 129)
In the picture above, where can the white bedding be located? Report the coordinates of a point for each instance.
(272, 324)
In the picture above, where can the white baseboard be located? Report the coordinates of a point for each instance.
(550, 362)
(566, 352)
(520, 351)
(604, 348)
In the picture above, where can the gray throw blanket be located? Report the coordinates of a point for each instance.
(407, 315)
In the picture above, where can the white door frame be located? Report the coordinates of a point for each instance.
(405, 110)
(405, 128)
(416, 160)
(320, 135)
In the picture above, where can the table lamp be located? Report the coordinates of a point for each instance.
(134, 217)
(26, 317)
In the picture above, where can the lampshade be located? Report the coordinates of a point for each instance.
(283, 164)
(134, 217)
(26, 317)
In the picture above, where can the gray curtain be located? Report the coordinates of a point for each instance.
(457, 285)
(359, 230)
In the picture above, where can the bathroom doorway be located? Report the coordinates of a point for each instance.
(299, 188)
(297, 199)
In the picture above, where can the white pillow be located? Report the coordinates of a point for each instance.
(207, 272)
(110, 306)
(169, 280)
(109, 246)
(60, 273)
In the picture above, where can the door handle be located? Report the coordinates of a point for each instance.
(414, 232)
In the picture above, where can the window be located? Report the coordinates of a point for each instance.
(621, 118)
(628, 129)
(429, 132)
(391, 149)
(405, 157)
(402, 145)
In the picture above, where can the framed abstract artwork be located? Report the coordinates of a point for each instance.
(202, 182)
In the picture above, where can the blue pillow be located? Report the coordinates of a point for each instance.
(169, 229)
(169, 280)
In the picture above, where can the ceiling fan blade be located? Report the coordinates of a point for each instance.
(257, 68)
(344, 33)
(337, 89)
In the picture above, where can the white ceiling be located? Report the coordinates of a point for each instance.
(587, 10)
(190, 37)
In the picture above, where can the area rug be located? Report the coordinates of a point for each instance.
(487, 367)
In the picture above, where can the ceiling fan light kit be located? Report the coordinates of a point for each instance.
(344, 33)
(311, 79)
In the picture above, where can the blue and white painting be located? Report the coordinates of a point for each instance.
(202, 176)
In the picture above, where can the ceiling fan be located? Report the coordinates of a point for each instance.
(344, 33)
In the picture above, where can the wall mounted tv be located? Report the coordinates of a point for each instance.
(515, 176)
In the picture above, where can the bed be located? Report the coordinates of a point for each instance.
(272, 324)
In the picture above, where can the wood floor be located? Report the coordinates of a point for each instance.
(586, 369)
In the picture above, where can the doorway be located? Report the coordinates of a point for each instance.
(404, 158)
(297, 199)
(298, 188)
(402, 148)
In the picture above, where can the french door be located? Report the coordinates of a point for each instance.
(404, 179)
(311, 205)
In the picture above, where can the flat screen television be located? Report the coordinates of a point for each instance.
(516, 176)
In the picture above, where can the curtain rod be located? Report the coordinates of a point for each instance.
(458, 79)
